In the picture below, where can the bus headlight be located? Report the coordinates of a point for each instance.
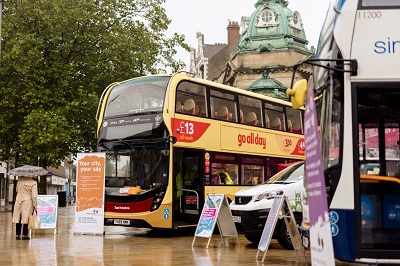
(158, 197)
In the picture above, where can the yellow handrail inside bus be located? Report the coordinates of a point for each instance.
(380, 178)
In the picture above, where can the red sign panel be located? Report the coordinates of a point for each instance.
(191, 200)
(187, 130)
(129, 207)
(300, 148)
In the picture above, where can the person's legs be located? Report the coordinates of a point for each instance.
(25, 231)
(18, 227)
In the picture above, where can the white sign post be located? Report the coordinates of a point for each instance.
(216, 210)
(280, 205)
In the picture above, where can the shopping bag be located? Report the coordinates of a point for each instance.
(34, 221)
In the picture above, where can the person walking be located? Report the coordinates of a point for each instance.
(25, 204)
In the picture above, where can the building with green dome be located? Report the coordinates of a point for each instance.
(270, 42)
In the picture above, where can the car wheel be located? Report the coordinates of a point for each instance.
(253, 239)
(284, 237)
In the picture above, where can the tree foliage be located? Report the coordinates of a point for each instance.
(57, 57)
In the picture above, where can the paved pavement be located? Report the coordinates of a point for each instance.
(131, 246)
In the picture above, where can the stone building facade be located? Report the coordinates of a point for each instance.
(210, 59)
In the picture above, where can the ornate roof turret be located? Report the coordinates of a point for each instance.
(269, 86)
(272, 27)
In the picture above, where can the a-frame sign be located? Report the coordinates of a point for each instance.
(280, 206)
(216, 211)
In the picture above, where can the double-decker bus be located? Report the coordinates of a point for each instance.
(356, 80)
(172, 139)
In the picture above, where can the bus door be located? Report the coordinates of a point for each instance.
(189, 183)
(378, 195)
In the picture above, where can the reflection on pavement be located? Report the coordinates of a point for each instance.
(130, 246)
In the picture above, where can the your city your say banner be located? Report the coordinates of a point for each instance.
(320, 231)
(89, 207)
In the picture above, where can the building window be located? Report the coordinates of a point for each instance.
(295, 21)
(267, 18)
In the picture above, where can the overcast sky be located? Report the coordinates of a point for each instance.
(211, 17)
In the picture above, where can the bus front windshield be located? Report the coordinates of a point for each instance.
(143, 166)
(137, 96)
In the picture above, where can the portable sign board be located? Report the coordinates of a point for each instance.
(90, 182)
(47, 210)
(216, 211)
(280, 205)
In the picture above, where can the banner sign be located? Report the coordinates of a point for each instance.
(215, 211)
(320, 230)
(90, 181)
(47, 211)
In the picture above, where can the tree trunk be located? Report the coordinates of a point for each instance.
(42, 185)
(43, 179)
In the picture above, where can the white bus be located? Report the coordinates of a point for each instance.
(356, 77)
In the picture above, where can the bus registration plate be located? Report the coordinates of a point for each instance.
(237, 219)
(121, 222)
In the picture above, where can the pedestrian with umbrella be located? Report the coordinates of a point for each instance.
(26, 201)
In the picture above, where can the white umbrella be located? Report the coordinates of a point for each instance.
(28, 170)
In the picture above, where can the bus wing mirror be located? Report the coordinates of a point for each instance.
(298, 93)
(173, 139)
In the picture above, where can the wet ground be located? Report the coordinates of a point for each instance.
(131, 246)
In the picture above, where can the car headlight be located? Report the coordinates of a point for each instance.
(268, 195)
(262, 196)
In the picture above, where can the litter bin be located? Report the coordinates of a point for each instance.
(62, 198)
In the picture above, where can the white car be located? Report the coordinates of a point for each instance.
(251, 205)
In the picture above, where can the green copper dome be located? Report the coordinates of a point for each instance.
(272, 27)
(269, 86)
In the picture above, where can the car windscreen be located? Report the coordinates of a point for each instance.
(289, 175)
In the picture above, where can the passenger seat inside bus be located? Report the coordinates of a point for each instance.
(202, 110)
(290, 126)
(241, 117)
(215, 180)
(251, 118)
(212, 111)
(296, 128)
(276, 123)
(189, 106)
(223, 113)
(179, 107)
(267, 122)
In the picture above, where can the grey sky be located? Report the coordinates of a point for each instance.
(211, 17)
